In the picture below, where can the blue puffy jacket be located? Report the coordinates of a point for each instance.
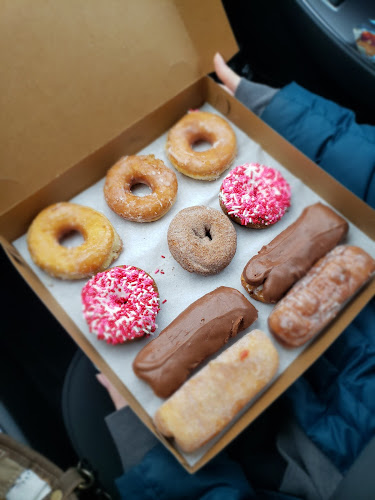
(334, 401)
(329, 135)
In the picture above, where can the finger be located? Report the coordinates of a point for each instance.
(226, 88)
(229, 78)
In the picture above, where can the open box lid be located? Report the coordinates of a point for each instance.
(75, 74)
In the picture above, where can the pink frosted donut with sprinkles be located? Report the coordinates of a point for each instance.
(254, 195)
(121, 304)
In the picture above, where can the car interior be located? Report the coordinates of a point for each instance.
(312, 42)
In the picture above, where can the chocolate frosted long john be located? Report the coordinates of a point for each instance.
(287, 258)
(199, 331)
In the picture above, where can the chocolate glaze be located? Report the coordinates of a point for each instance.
(289, 256)
(199, 331)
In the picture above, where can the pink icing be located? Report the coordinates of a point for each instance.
(255, 194)
(120, 304)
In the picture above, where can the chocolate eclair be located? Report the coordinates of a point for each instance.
(198, 332)
(288, 257)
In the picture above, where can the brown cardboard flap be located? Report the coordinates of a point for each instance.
(75, 74)
(75, 179)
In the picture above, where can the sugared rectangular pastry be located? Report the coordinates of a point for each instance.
(318, 297)
(209, 400)
(198, 332)
(277, 266)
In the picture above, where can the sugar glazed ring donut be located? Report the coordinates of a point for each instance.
(254, 195)
(121, 304)
(202, 240)
(201, 126)
(141, 169)
(101, 246)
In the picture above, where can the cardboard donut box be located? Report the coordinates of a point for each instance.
(85, 83)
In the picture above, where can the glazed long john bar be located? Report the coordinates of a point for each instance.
(209, 400)
(318, 297)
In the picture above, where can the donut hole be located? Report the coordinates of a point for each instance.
(202, 140)
(71, 238)
(201, 145)
(140, 189)
(119, 301)
(204, 232)
(207, 233)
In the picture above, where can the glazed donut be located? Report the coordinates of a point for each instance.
(121, 304)
(202, 240)
(254, 195)
(141, 169)
(101, 247)
(201, 126)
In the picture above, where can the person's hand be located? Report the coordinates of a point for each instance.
(229, 78)
(118, 400)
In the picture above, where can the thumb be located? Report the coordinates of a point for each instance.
(229, 78)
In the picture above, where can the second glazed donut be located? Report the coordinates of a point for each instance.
(140, 169)
(201, 126)
(202, 240)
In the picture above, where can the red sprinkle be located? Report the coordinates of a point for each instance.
(120, 304)
(162, 272)
(255, 194)
(164, 301)
(244, 354)
(163, 256)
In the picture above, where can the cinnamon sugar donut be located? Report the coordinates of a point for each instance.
(202, 240)
(101, 247)
(141, 169)
(201, 126)
(121, 304)
(254, 195)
